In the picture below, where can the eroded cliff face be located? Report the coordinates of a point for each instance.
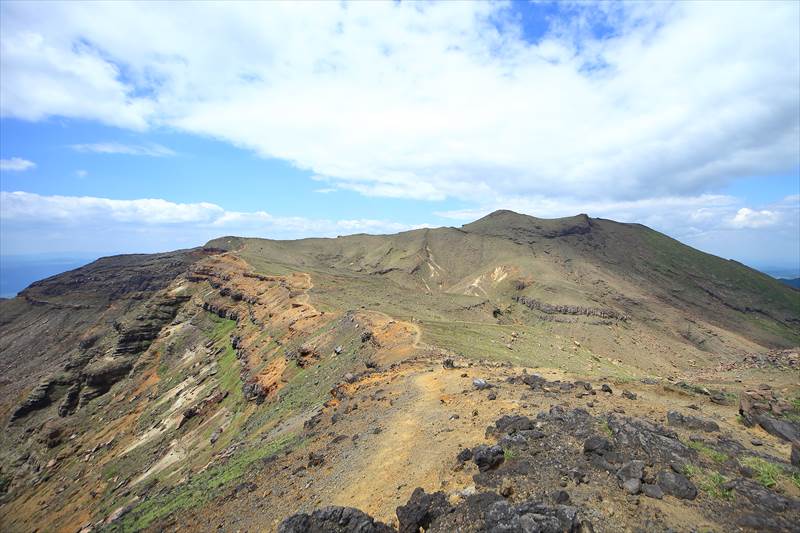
(169, 378)
(80, 332)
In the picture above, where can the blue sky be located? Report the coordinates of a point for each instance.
(287, 120)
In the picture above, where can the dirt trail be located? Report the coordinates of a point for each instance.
(418, 445)
(417, 331)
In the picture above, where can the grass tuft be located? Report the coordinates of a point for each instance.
(712, 483)
(766, 473)
(711, 453)
(709, 481)
(691, 471)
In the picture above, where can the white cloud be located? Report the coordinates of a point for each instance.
(24, 206)
(433, 100)
(151, 214)
(46, 74)
(325, 190)
(16, 164)
(751, 218)
(81, 173)
(150, 149)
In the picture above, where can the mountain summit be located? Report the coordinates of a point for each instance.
(515, 371)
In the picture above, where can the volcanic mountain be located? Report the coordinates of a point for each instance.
(573, 374)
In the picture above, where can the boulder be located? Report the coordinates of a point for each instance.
(531, 516)
(597, 444)
(652, 491)
(632, 486)
(488, 457)
(421, 510)
(676, 485)
(333, 520)
(675, 418)
(513, 423)
(631, 470)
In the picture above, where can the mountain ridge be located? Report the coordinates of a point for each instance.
(185, 377)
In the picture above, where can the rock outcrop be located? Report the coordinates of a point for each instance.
(550, 309)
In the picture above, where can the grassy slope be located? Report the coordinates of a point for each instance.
(575, 261)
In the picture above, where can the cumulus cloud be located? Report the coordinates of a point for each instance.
(24, 206)
(438, 100)
(83, 212)
(16, 164)
(150, 149)
(751, 218)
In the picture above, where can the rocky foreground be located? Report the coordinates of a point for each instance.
(568, 470)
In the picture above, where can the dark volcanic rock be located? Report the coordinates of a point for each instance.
(597, 444)
(628, 394)
(421, 510)
(762, 498)
(642, 438)
(780, 428)
(520, 438)
(531, 516)
(652, 491)
(676, 484)
(534, 381)
(464, 455)
(512, 424)
(675, 418)
(631, 470)
(488, 457)
(333, 520)
(489, 512)
(632, 486)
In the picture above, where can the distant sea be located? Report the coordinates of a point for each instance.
(19, 271)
